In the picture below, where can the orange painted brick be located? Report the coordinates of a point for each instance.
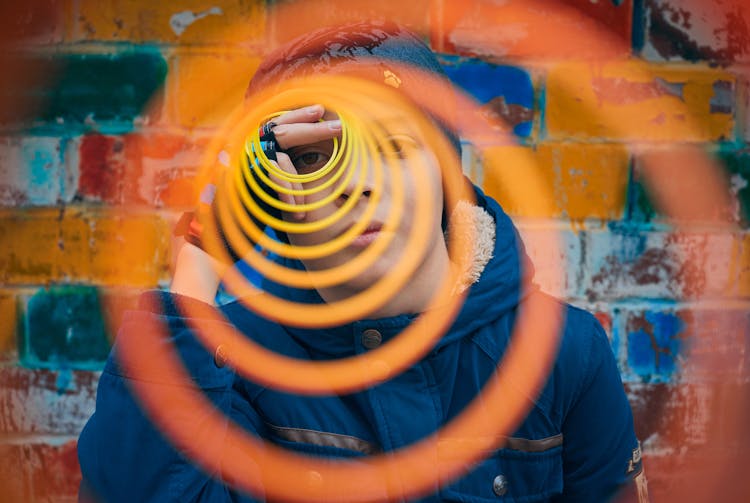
(739, 267)
(635, 101)
(177, 21)
(49, 246)
(203, 89)
(129, 250)
(580, 181)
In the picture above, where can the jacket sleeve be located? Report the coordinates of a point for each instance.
(122, 454)
(601, 455)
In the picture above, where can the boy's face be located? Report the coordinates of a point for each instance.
(402, 148)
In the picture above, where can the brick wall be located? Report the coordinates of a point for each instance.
(101, 131)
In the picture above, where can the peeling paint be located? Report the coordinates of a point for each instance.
(695, 30)
(722, 101)
(180, 21)
(624, 91)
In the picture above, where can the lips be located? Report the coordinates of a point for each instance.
(369, 235)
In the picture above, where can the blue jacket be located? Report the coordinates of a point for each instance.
(576, 444)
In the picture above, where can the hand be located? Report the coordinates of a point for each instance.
(295, 129)
(197, 274)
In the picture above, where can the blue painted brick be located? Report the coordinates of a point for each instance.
(64, 327)
(503, 91)
(654, 343)
(85, 89)
(34, 172)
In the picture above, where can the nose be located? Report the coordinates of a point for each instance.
(358, 187)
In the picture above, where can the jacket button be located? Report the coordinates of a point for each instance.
(371, 338)
(221, 356)
(500, 485)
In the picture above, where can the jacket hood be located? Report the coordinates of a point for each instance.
(499, 278)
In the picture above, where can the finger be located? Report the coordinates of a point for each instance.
(313, 113)
(285, 164)
(293, 135)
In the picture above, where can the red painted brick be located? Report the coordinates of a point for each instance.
(109, 169)
(13, 479)
(694, 440)
(155, 169)
(578, 29)
(33, 22)
(693, 30)
(45, 402)
(53, 471)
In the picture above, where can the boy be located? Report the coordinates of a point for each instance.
(577, 441)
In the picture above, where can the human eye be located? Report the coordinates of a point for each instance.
(309, 161)
(400, 145)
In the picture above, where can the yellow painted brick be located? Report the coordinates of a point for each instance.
(580, 181)
(638, 101)
(46, 246)
(176, 21)
(40, 247)
(8, 314)
(203, 89)
(129, 250)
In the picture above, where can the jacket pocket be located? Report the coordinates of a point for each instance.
(524, 471)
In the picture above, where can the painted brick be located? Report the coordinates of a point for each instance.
(655, 340)
(693, 438)
(15, 483)
(696, 30)
(505, 93)
(8, 313)
(288, 20)
(625, 262)
(88, 90)
(178, 21)
(46, 246)
(34, 22)
(64, 327)
(43, 246)
(739, 268)
(33, 171)
(45, 402)
(578, 29)
(633, 101)
(643, 206)
(53, 470)
(130, 250)
(556, 255)
(584, 181)
(205, 88)
(157, 169)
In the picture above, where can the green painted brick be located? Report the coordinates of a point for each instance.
(86, 89)
(64, 327)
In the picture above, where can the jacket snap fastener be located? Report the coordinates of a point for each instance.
(371, 338)
(500, 485)
(221, 356)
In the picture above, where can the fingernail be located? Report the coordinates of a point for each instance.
(314, 110)
(298, 215)
(334, 125)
